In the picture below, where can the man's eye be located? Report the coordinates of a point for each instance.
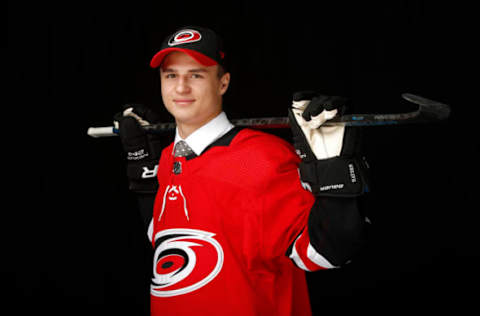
(196, 76)
(170, 76)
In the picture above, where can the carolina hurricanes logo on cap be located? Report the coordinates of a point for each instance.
(184, 261)
(184, 37)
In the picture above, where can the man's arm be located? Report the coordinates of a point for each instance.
(142, 153)
(333, 169)
(335, 233)
(145, 206)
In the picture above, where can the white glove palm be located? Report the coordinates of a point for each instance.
(324, 141)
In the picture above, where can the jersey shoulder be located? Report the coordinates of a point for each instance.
(250, 160)
(265, 146)
(262, 155)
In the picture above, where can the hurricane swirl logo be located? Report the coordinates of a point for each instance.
(184, 261)
(184, 37)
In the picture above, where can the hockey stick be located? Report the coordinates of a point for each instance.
(428, 111)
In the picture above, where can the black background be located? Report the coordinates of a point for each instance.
(76, 238)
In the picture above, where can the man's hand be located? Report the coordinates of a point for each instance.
(309, 111)
(142, 150)
(331, 161)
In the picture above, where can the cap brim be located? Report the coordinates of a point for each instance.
(200, 58)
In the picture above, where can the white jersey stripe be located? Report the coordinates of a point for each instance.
(317, 258)
(296, 258)
(150, 230)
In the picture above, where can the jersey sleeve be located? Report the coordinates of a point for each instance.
(145, 207)
(314, 232)
(334, 234)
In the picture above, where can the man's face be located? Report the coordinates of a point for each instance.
(191, 92)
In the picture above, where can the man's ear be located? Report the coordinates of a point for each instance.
(224, 83)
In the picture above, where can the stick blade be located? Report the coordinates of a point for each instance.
(429, 110)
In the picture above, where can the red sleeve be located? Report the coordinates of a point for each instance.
(286, 209)
(315, 233)
(285, 203)
(305, 256)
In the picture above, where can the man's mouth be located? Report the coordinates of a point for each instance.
(183, 101)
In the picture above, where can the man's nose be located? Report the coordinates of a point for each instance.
(183, 86)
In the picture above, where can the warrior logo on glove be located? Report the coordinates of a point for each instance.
(184, 261)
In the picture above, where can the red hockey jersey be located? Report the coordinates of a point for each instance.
(222, 225)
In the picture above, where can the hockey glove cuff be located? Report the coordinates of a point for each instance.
(331, 161)
(142, 150)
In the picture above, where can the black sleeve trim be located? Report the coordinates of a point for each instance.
(145, 206)
(336, 229)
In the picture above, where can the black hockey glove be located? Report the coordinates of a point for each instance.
(142, 150)
(331, 161)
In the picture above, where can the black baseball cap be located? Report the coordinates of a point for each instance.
(202, 44)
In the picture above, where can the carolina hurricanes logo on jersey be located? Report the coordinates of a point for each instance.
(184, 37)
(184, 261)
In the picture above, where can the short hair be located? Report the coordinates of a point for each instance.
(221, 71)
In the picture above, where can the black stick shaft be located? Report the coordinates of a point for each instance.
(428, 111)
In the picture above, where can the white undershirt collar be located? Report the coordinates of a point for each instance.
(207, 134)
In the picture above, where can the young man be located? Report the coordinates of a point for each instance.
(237, 214)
